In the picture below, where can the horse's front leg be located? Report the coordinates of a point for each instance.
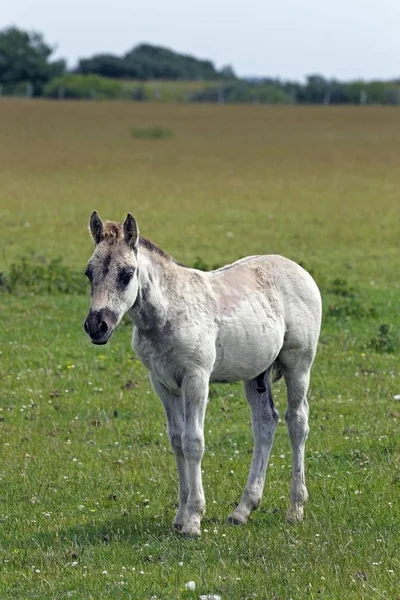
(195, 394)
(173, 406)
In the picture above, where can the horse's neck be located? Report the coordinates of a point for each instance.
(149, 310)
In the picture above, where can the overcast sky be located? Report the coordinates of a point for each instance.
(287, 38)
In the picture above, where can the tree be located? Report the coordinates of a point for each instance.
(24, 58)
(227, 72)
(146, 62)
(107, 65)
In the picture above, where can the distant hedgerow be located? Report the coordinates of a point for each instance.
(42, 277)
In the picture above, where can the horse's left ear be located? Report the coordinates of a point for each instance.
(131, 232)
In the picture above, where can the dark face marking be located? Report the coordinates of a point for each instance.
(124, 277)
(106, 264)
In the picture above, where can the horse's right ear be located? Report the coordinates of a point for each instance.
(96, 227)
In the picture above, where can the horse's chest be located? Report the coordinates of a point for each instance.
(155, 356)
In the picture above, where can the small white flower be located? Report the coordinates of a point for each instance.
(210, 597)
(74, 564)
(104, 572)
(180, 564)
(357, 492)
(190, 585)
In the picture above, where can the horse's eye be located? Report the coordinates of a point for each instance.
(126, 277)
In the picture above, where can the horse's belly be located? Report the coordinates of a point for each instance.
(246, 347)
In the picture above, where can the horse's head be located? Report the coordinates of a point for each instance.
(113, 276)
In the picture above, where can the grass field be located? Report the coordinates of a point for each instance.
(87, 480)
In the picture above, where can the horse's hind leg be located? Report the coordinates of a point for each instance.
(297, 382)
(264, 419)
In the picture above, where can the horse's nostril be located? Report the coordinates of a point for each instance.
(103, 327)
(85, 327)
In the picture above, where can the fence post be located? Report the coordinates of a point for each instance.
(363, 97)
(327, 97)
(29, 90)
(60, 92)
(221, 99)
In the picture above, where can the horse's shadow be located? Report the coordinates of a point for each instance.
(126, 529)
(121, 529)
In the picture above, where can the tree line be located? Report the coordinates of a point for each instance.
(27, 68)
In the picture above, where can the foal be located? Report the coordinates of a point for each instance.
(237, 323)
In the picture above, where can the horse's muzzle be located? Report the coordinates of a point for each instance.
(99, 325)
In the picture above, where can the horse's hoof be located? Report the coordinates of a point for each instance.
(295, 515)
(193, 533)
(232, 520)
(177, 526)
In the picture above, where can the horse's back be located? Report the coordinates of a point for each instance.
(267, 303)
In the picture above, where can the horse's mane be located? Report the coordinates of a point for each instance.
(113, 232)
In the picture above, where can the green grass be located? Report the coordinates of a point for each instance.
(87, 479)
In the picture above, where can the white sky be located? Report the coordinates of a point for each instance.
(287, 38)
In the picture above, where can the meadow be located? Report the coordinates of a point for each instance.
(87, 479)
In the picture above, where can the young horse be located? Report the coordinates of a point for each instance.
(237, 323)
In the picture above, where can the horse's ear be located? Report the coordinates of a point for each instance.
(96, 227)
(131, 232)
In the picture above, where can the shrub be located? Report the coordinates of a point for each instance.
(152, 133)
(201, 265)
(386, 340)
(348, 303)
(340, 287)
(351, 307)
